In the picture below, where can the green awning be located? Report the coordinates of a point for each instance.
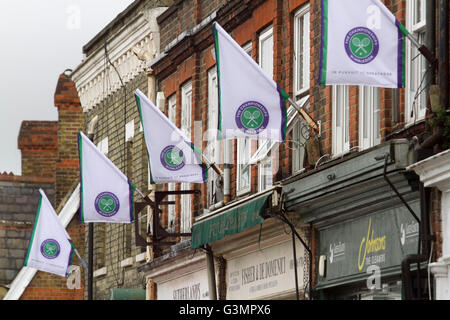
(127, 294)
(230, 222)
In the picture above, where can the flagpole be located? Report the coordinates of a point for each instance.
(83, 263)
(90, 268)
(423, 49)
(213, 165)
(305, 115)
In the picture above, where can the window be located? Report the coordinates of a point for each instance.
(214, 147)
(369, 117)
(266, 63)
(243, 170)
(302, 83)
(244, 148)
(171, 215)
(301, 55)
(340, 118)
(416, 64)
(103, 146)
(129, 130)
(186, 113)
(299, 135)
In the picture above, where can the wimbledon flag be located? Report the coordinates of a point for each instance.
(362, 44)
(251, 105)
(106, 193)
(172, 156)
(50, 249)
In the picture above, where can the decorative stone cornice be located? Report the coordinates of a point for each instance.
(434, 171)
(439, 269)
(96, 79)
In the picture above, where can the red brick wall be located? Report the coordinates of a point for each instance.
(70, 122)
(244, 20)
(38, 144)
(436, 222)
(46, 286)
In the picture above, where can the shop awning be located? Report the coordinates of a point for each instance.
(229, 222)
(127, 294)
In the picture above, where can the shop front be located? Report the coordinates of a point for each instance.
(256, 250)
(365, 212)
(265, 273)
(361, 258)
(179, 275)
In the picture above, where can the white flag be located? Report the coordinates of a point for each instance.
(50, 249)
(106, 193)
(251, 105)
(362, 44)
(173, 157)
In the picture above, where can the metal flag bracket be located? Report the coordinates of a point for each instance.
(159, 233)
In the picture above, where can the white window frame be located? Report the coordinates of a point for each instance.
(302, 50)
(244, 151)
(129, 130)
(171, 212)
(416, 63)
(265, 174)
(301, 81)
(369, 117)
(186, 128)
(215, 147)
(103, 146)
(299, 141)
(340, 120)
(264, 36)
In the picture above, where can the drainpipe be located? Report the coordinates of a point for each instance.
(443, 52)
(430, 38)
(90, 131)
(425, 239)
(442, 63)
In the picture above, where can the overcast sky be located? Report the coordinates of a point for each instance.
(39, 40)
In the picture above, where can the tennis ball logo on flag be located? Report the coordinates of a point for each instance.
(252, 117)
(50, 249)
(172, 158)
(361, 45)
(107, 204)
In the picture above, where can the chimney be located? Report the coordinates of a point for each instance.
(38, 144)
(70, 122)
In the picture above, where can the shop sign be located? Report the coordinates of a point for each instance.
(193, 286)
(266, 272)
(382, 239)
(230, 222)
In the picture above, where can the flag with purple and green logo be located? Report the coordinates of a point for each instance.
(362, 44)
(50, 248)
(106, 193)
(172, 156)
(251, 104)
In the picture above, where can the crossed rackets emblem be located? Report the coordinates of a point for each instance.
(253, 118)
(361, 45)
(174, 157)
(107, 204)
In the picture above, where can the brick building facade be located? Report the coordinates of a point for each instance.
(50, 162)
(289, 32)
(19, 194)
(106, 91)
(319, 193)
